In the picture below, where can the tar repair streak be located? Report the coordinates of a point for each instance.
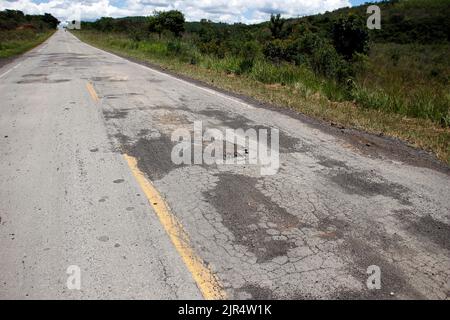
(226, 310)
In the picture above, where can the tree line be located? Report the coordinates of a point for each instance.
(332, 44)
(278, 40)
(15, 19)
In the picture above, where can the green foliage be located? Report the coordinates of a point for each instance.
(104, 24)
(14, 19)
(20, 32)
(14, 42)
(210, 40)
(276, 51)
(276, 25)
(172, 21)
(50, 20)
(174, 47)
(326, 53)
(327, 62)
(310, 49)
(271, 74)
(403, 21)
(412, 80)
(350, 35)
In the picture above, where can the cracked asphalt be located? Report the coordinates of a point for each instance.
(340, 202)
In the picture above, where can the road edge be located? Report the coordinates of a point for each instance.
(369, 144)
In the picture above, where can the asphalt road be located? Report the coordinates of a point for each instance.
(87, 180)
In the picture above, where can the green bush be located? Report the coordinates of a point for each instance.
(327, 62)
(245, 66)
(350, 35)
(275, 51)
(174, 48)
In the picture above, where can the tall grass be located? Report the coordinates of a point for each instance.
(412, 80)
(402, 79)
(377, 109)
(14, 42)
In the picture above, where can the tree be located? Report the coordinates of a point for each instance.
(154, 25)
(11, 19)
(275, 50)
(104, 24)
(50, 20)
(350, 36)
(276, 25)
(172, 21)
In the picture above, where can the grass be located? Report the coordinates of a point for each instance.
(375, 105)
(411, 80)
(15, 42)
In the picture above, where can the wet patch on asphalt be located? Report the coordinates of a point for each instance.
(115, 114)
(233, 121)
(109, 79)
(155, 80)
(287, 143)
(365, 294)
(361, 248)
(32, 75)
(118, 96)
(368, 184)
(144, 132)
(67, 59)
(255, 221)
(394, 281)
(332, 163)
(153, 155)
(123, 140)
(256, 292)
(44, 80)
(333, 228)
(426, 227)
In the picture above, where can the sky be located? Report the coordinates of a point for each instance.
(246, 11)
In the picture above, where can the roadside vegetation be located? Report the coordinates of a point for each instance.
(393, 81)
(20, 32)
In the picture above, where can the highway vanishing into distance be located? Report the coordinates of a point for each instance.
(87, 183)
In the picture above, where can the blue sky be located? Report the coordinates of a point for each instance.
(247, 11)
(359, 2)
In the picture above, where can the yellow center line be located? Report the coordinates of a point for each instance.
(206, 280)
(90, 89)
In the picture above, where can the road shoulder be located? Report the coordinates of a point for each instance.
(372, 145)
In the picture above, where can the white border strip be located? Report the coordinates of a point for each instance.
(5, 73)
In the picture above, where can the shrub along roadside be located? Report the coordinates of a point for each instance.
(302, 90)
(15, 42)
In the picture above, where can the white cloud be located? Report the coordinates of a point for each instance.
(217, 10)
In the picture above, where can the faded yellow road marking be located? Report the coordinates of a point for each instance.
(206, 280)
(92, 92)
